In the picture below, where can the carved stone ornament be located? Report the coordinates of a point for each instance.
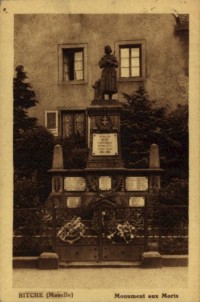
(57, 184)
(118, 183)
(55, 201)
(92, 183)
(104, 122)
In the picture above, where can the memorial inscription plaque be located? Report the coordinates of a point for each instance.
(105, 183)
(136, 201)
(136, 183)
(74, 184)
(74, 201)
(105, 144)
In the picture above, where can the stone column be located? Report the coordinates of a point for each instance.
(57, 180)
(154, 159)
(154, 163)
(57, 157)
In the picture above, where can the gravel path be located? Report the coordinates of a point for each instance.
(102, 278)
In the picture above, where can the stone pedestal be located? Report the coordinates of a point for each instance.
(104, 134)
(103, 189)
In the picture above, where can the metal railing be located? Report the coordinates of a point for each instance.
(161, 228)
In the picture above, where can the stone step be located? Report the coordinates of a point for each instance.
(102, 264)
(25, 262)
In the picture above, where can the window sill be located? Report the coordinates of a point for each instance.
(73, 83)
(139, 79)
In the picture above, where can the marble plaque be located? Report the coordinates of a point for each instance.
(138, 201)
(136, 183)
(74, 184)
(74, 201)
(105, 144)
(105, 183)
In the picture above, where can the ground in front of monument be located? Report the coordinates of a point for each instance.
(102, 278)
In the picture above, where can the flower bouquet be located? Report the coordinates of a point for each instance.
(72, 231)
(124, 231)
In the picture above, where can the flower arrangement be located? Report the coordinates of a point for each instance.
(72, 230)
(124, 231)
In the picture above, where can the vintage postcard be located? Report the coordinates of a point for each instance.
(100, 150)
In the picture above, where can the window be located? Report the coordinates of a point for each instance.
(131, 56)
(72, 63)
(51, 121)
(74, 126)
(130, 61)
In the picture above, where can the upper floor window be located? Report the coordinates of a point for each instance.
(131, 55)
(130, 61)
(72, 63)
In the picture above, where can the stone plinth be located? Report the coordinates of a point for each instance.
(48, 261)
(57, 157)
(154, 160)
(151, 259)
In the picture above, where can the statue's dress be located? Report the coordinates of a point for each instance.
(108, 83)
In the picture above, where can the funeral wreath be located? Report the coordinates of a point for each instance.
(72, 230)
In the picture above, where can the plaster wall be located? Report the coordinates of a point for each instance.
(36, 41)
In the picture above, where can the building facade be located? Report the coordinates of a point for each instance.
(61, 54)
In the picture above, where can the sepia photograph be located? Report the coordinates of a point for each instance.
(101, 170)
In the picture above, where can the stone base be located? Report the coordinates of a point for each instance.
(175, 260)
(151, 260)
(25, 262)
(104, 163)
(105, 103)
(48, 261)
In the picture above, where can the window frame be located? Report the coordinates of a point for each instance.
(134, 43)
(54, 131)
(74, 112)
(62, 47)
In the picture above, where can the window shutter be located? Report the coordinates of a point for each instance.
(65, 67)
(51, 121)
(78, 65)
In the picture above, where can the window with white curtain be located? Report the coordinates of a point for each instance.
(72, 63)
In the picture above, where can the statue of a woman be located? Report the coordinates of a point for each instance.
(108, 83)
